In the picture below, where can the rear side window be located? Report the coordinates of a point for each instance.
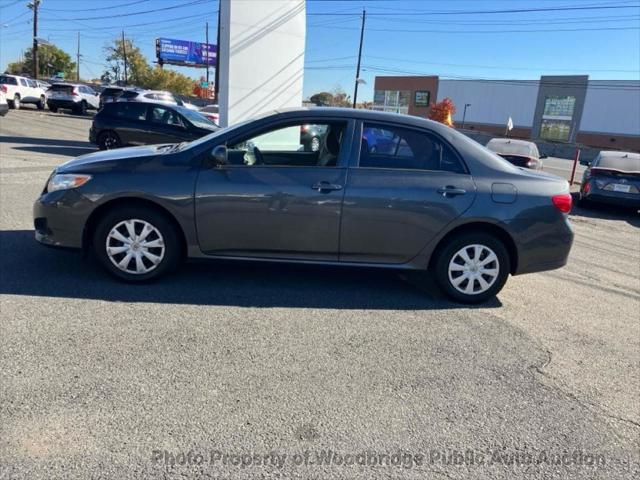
(127, 111)
(385, 146)
(23, 82)
(129, 95)
(8, 80)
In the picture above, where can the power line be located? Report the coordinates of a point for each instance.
(93, 9)
(458, 32)
(485, 12)
(145, 12)
(500, 67)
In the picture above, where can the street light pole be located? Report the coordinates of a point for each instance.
(355, 88)
(464, 113)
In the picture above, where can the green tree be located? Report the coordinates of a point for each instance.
(322, 99)
(140, 73)
(51, 60)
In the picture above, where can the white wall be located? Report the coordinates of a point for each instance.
(612, 106)
(261, 50)
(492, 102)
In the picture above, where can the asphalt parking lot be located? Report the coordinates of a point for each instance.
(258, 372)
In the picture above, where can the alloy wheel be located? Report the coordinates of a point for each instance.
(135, 246)
(473, 269)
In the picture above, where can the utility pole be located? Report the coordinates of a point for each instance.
(207, 44)
(78, 60)
(355, 88)
(34, 5)
(124, 54)
(464, 113)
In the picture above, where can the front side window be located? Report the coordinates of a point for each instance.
(23, 82)
(400, 148)
(165, 116)
(304, 144)
(32, 84)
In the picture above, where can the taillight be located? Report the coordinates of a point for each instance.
(74, 93)
(563, 202)
(587, 187)
(3, 88)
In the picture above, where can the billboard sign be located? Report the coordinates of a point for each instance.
(184, 52)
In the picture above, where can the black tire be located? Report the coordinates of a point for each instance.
(109, 140)
(15, 103)
(53, 109)
(446, 254)
(171, 255)
(41, 103)
(82, 108)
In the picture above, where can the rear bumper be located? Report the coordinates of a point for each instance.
(619, 199)
(62, 104)
(542, 245)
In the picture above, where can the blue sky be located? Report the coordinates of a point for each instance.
(437, 37)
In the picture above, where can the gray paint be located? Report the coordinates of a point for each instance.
(390, 218)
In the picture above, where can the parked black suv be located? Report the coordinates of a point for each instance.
(139, 123)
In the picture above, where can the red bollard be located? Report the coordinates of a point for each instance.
(575, 164)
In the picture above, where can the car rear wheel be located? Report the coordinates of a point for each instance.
(16, 102)
(472, 267)
(53, 109)
(108, 140)
(82, 108)
(136, 244)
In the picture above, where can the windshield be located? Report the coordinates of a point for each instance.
(197, 119)
(625, 163)
(513, 148)
(8, 80)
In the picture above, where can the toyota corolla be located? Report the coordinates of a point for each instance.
(431, 200)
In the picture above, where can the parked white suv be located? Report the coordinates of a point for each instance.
(74, 96)
(4, 107)
(19, 90)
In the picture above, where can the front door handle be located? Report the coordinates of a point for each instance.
(326, 186)
(451, 191)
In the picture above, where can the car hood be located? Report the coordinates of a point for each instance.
(107, 158)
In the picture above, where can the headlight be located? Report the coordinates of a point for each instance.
(67, 181)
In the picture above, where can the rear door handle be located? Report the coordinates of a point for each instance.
(326, 186)
(451, 191)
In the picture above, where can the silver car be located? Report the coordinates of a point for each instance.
(72, 96)
(153, 96)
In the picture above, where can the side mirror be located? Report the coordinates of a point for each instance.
(219, 156)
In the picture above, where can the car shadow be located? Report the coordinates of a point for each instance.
(606, 212)
(31, 269)
(58, 150)
(50, 146)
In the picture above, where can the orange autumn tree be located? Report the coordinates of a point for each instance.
(443, 111)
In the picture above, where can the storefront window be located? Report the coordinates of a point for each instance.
(422, 98)
(557, 118)
(395, 101)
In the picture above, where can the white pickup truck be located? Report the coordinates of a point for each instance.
(19, 90)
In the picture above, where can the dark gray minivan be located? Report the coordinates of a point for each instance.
(383, 190)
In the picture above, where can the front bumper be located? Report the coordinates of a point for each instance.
(59, 218)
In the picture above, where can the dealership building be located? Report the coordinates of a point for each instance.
(573, 109)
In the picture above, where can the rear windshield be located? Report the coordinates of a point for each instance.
(129, 95)
(8, 80)
(507, 148)
(61, 88)
(111, 92)
(629, 163)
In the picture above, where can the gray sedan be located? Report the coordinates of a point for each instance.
(383, 190)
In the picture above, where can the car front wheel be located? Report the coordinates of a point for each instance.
(108, 140)
(136, 244)
(472, 267)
